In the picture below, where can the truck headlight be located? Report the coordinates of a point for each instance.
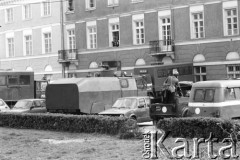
(164, 109)
(197, 110)
(121, 115)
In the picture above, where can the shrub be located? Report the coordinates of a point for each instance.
(199, 127)
(71, 123)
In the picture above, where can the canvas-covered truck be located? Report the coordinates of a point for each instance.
(89, 95)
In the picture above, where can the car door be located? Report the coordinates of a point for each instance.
(147, 115)
(140, 110)
(37, 107)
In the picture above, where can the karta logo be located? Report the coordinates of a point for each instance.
(153, 145)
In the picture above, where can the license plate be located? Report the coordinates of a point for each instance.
(158, 108)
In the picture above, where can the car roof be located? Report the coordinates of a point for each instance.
(31, 99)
(217, 83)
(136, 97)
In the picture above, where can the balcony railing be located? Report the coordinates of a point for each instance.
(67, 55)
(161, 46)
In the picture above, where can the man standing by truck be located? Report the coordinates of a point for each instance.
(171, 87)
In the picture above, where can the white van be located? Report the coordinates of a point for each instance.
(220, 98)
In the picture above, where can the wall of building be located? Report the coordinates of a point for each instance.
(38, 60)
(214, 46)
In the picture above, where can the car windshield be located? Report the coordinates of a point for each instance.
(1, 103)
(24, 104)
(125, 103)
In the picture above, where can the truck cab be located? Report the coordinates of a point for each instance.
(160, 109)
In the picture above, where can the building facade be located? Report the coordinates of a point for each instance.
(128, 33)
(30, 36)
(150, 32)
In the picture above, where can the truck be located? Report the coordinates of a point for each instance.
(155, 76)
(89, 95)
(16, 85)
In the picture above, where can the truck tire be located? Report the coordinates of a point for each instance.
(185, 112)
(133, 118)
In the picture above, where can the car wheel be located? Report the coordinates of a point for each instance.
(133, 118)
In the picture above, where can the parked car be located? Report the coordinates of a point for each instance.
(30, 106)
(3, 106)
(136, 108)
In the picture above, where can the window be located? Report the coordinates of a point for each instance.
(70, 5)
(24, 80)
(2, 80)
(10, 47)
(47, 42)
(9, 15)
(165, 29)
(198, 25)
(233, 71)
(28, 45)
(142, 102)
(204, 95)
(139, 37)
(46, 8)
(229, 94)
(92, 37)
(124, 83)
(114, 35)
(71, 44)
(12, 80)
(90, 4)
(71, 39)
(200, 73)
(113, 2)
(27, 11)
(231, 21)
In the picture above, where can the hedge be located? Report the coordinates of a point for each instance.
(71, 123)
(200, 127)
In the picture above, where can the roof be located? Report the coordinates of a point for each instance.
(93, 84)
(137, 97)
(80, 80)
(217, 83)
(164, 65)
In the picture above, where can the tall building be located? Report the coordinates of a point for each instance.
(151, 32)
(30, 36)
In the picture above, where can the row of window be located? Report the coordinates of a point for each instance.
(27, 11)
(91, 4)
(207, 95)
(197, 29)
(15, 80)
(46, 8)
(28, 45)
(46, 43)
(138, 32)
(233, 72)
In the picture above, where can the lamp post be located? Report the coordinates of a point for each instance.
(62, 37)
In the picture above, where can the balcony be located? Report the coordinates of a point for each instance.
(161, 47)
(67, 56)
(115, 43)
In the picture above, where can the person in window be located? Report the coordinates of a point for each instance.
(171, 87)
